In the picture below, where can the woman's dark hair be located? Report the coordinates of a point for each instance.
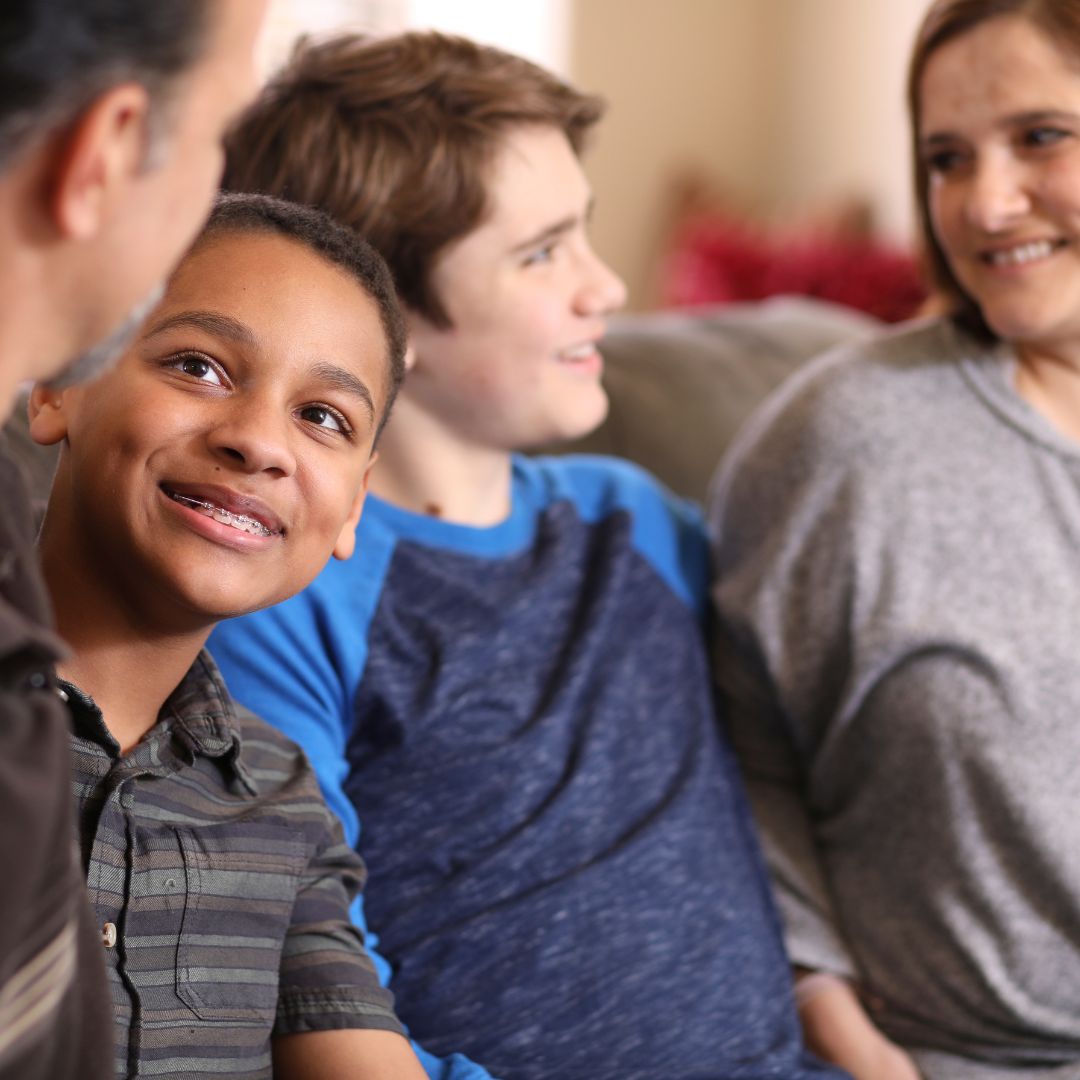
(945, 21)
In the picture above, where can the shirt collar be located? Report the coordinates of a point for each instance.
(199, 715)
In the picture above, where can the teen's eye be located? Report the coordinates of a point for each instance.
(322, 416)
(540, 255)
(199, 367)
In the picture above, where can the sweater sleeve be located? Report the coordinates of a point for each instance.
(782, 593)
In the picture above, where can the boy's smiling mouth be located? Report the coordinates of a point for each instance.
(248, 523)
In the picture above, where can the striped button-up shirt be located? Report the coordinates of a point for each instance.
(222, 885)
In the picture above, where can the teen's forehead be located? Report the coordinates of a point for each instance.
(536, 178)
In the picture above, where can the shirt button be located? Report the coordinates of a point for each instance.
(108, 935)
(38, 681)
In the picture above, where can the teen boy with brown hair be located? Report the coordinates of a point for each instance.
(511, 687)
(214, 470)
(111, 116)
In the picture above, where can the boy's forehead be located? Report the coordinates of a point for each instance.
(278, 299)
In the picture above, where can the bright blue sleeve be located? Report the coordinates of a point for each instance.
(297, 665)
(669, 531)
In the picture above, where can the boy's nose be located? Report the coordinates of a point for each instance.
(255, 439)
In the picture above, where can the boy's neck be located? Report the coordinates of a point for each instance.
(427, 469)
(127, 667)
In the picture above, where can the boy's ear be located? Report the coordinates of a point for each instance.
(98, 158)
(48, 417)
(346, 541)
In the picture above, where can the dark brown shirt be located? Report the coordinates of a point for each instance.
(225, 884)
(54, 1016)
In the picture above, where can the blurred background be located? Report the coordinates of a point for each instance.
(752, 147)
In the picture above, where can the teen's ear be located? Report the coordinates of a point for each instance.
(346, 541)
(410, 355)
(48, 416)
(98, 159)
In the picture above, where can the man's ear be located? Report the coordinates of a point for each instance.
(346, 541)
(100, 156)
(48, 415)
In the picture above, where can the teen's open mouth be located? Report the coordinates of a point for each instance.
(244, 522)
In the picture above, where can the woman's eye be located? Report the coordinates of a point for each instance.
(1044, 136)
(324, 417)
(198, 367)
(943, 161)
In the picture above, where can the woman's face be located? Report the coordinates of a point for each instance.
(999, 133)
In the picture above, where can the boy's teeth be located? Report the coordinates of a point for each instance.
(236, 521)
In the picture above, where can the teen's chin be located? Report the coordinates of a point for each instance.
(585, 413)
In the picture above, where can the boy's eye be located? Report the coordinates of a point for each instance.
(197, 367)
(324, 417)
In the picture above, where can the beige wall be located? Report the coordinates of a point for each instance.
(786, 103)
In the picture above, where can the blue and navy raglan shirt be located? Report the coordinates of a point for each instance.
(562, 870)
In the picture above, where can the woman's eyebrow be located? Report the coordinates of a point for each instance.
(213, 322)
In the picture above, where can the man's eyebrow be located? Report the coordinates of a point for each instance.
(339, 378)
(553, 231)
(213, 322)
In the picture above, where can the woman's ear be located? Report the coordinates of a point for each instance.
(48, 415)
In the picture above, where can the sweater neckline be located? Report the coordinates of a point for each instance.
(991, 373)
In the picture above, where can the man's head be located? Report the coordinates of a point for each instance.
(111, 118)
(223, 460)
(441, 151)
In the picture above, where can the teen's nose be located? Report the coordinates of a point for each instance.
(255, 436)
(601, 290)
(997, 194)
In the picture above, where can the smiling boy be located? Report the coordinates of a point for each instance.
(510, 687)
(213, 471)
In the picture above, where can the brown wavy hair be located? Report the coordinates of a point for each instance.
(945, 21)
(395, 137)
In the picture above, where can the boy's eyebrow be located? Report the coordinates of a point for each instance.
(225, 326)
(213, 322)
(551, 232)
(342, 379)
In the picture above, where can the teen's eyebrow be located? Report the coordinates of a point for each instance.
(553, 231)
(339, 378)
(213, 322)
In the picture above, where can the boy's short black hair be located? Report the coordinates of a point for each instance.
(57, 56)
(246, 213)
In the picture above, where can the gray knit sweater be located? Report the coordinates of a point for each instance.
(898, 545)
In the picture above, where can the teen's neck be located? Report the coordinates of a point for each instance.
(127, 667)
(426, 469)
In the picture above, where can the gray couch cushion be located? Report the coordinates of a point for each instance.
(681, 382)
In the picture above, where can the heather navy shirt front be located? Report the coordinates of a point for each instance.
(563, 874)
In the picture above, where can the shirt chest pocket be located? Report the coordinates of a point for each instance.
(233, 912)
